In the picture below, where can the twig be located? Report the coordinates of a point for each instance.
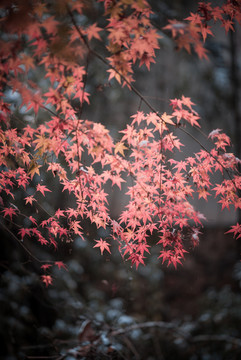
(146, 325)
(165, 326)
(23, 246)
(216, 338)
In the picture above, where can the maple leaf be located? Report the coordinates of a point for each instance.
(42, 189)
(39, 236)
(167, 119)
(200, 50)
(33, 220)
(142, 248)
(120, 147)
(181, 222)
(72, 213)
(93, 32)
(214, 133)
(174, 259)
(116, 226)
(203, 193)
(75, 226)
(29, 199)
(175, 27)
(225, 201)
(165, 255)
(187, 102)
(22, 232)
(60, 265)
(180, 165)
(59, 213)
(41, 142)
(39, 9)
(205, 30)
(194, 18)
(136, 259)
(47, 279)
(53, 242)
(50, 25)
(217, 13)
(228, 25)
(28, 62)
(9, 212)
(138, 117)
(33, 169)
(114, 75)
(116, 180)
(236, 229)
(103, 245)
(45, 266)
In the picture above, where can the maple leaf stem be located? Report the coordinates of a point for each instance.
(51, 112)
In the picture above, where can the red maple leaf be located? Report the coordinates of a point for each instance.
(103, 245)
(236, 229)
(42, 189)
(22, 232)
(33, 220)
(228, 25)
(45, 266)
(60, 265)
(9, 212)
(47, 279)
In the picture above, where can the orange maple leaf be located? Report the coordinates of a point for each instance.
(120, 147)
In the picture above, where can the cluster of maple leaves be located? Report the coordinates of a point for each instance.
(36, 40)
(192, 34)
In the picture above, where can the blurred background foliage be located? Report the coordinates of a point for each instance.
(101, 308)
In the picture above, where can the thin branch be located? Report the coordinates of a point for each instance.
(217, 338)
(162, 326)
(20, 243)
(146, 325)
(165, 326)
(43, 357)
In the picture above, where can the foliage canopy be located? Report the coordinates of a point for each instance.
(57, 42)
